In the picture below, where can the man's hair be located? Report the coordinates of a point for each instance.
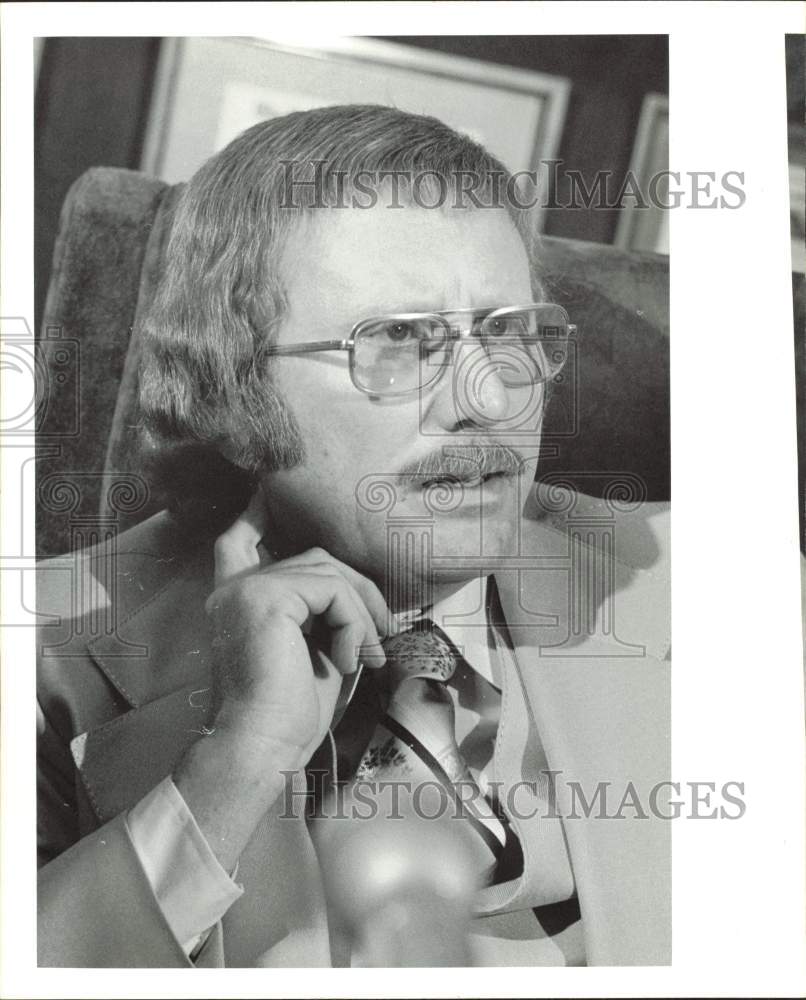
(206, 380)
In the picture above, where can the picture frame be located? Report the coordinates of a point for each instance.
(208, 90)
(646, 227)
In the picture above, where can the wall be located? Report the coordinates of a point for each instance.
(610, 76)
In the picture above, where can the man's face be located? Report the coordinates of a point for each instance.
(343, 266)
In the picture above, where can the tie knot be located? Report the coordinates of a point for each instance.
(422, 651)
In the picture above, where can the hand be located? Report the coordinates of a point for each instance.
(275, 691)
(274, 685)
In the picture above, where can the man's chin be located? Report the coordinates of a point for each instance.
(465, 544)
(430, 547)
(448, 551)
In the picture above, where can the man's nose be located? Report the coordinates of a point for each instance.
(479, 394)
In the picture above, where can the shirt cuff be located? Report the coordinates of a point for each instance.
(192, 889)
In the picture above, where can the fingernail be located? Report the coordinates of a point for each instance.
(373, 657)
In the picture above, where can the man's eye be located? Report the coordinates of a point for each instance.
(400, 332)
(500, 326)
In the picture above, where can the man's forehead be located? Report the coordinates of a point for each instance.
(354, 263)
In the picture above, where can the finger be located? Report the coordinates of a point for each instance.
(236, 549)
(334, 573)
(369, 649)
(324, 593)
(345, 647)
(385, 621)
(267, 547)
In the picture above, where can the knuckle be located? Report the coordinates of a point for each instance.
(241, 596)
(252, 595)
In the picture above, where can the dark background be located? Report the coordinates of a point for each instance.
(93, 98)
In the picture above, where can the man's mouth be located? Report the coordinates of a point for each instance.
(468, 466)
(467, 482)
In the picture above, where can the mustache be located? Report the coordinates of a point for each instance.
(462, 463)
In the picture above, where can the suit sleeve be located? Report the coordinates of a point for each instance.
(96, 905)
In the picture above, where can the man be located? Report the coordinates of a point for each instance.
(351, 324)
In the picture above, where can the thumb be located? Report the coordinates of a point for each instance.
(236, 550)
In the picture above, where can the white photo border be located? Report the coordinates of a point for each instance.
(738, 689)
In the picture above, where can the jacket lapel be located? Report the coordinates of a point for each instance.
(601, 705)
(158, 658)
(124, 759)
(165, 643)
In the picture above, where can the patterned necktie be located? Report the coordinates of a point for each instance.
(415, 743)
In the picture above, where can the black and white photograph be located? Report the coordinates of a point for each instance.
(379, 437)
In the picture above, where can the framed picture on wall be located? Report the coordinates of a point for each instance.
(647, 227)
(210, 89)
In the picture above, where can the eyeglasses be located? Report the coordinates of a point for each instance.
(403, 353)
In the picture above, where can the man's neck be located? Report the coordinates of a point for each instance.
(412, 597)
(462, 599)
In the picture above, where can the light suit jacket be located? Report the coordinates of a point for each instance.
(124, 678)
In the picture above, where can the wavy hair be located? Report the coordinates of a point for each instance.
(205, 379)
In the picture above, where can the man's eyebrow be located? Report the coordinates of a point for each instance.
(341, 321)
(384, 308)
(434, 304)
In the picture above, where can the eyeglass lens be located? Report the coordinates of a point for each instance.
(399, 354)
